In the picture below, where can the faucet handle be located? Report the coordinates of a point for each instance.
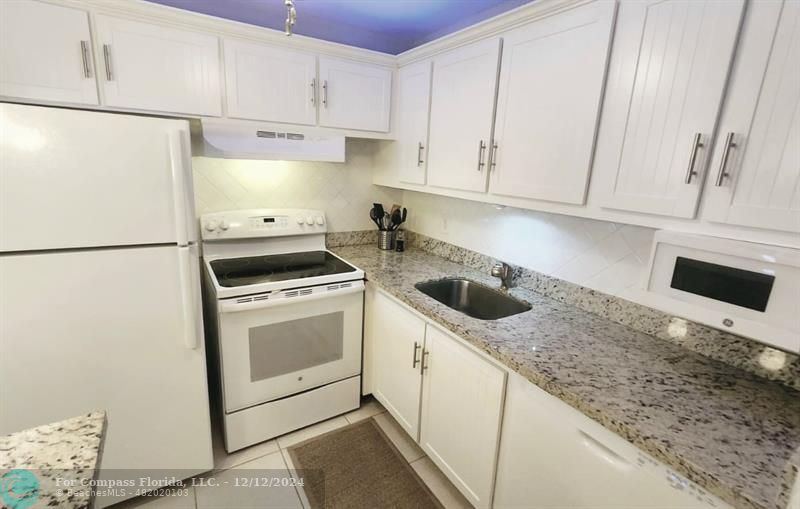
(503, 271)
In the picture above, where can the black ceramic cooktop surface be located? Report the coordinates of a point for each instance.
(253, 270)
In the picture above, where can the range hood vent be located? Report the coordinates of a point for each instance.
(230, 139)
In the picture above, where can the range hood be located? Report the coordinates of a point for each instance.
(231, 139)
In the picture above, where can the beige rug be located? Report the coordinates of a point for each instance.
(358, 467)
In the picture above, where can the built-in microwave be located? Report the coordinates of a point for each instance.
(749, 289)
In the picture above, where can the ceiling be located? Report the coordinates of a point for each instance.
(389, 26)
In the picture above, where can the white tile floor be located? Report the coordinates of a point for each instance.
(273, 455)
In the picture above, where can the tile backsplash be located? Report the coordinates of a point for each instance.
(343, 190)
(604, 256)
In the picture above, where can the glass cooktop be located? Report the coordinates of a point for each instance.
(253, 270)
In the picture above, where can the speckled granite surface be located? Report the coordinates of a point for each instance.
(338, 239)
(58, 454)
(735, 350)
(733, 433)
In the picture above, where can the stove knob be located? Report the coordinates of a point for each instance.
(223, 225)
(211, 225)
(309, 220)
(299, 219)
(320, 220)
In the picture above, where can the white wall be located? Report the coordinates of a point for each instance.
(343, 190)
(606, 256)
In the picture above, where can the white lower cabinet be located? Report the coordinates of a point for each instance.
(397, 337)
(446, 396)
(462, 405)
(552, 455)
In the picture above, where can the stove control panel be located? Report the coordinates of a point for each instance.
(257, 223)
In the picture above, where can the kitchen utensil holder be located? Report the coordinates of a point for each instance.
(386, 240)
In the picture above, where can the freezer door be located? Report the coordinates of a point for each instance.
(80, 179)
(116, 330)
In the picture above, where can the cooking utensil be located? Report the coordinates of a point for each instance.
(373, 214)
(396, 218)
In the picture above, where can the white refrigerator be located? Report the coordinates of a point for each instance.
(99, 285)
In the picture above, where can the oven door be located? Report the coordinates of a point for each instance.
(276, 345)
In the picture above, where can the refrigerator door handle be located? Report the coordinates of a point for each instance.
(187, 277)
(176, 159)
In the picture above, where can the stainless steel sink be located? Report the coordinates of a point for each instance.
(472, 299)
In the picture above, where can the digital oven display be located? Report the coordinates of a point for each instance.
(269, 219)
(739, 287)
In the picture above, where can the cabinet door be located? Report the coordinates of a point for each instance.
(396, 340)
(462, 401)
(150, 67)
(266, 83)
(354, 95)
(551, 82)
(414, 100)
(669, 64)
(45, 53)
(462, 109)
(756, 172)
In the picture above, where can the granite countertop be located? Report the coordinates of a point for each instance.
(58, 455)
(731, 432)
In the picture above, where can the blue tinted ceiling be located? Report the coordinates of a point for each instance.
(390, 26)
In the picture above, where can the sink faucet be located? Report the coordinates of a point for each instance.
(503, 271)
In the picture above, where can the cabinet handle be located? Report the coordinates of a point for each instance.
(696, 145)
(87, 70)
(313, 91)
(726, 150)
(417, 346)
(493, 156)
(422, 364)
(481, 150)
(107, 60)
(420, 147)
(605, 451)
(325, 93)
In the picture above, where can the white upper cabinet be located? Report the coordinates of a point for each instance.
(354, 95)
(755, 176)
(462, 111)
(268, 83)
(669, 65)
(551, 84)
(414, 94)
(151, 67)
(46, 53)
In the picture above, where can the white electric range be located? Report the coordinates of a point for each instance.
(285, 322)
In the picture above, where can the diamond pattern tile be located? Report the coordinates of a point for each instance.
(344, 191)
(608, 257)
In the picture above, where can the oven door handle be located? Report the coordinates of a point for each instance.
(232, 306)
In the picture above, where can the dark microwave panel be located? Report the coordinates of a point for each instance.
(727, 284)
